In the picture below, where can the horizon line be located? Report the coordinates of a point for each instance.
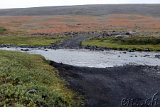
(82, 5)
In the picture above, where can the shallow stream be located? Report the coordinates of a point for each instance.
(98, 59)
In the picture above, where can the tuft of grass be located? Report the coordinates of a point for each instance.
(135, 43)
(3, 30)
(28, 80)
(30, 40)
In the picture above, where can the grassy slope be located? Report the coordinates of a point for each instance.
(29, 40)
(26, 40)
(21, 72)
(135, 43)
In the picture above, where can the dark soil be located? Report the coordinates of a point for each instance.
(108, 87)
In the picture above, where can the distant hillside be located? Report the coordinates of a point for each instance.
(93, 10)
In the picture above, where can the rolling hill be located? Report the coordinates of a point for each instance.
(93, 10)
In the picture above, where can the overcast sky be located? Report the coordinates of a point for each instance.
(37, 3)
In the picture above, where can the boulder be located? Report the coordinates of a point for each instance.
(157, 56)
(121, 36)
(31, 91)
(131, 50)
(24, 49)
(124, 52)
(127, 33)
(146, 55)
(146, 49)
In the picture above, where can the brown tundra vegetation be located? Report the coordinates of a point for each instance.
(66, 23)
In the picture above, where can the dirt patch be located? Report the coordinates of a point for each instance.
(111, 87)
(75, 42)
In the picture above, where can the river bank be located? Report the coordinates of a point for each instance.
(108, 87)
(29, 80)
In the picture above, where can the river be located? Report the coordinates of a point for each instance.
(97, 59)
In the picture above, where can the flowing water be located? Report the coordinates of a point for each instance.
(98, 59)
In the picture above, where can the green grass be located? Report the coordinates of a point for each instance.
(135, 43)
(29, 40)
(21, 72)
